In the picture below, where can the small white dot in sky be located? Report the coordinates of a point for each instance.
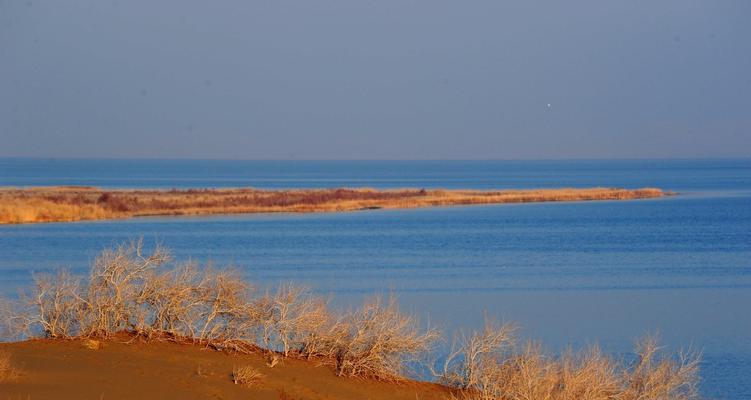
(548, 105)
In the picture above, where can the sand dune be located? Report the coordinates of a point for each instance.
(121, 369)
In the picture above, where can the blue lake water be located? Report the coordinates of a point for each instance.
(567, 273)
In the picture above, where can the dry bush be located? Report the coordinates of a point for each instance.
(227, 317)
(292, 318)
(489, 370)
(8, 312)
(7, 371)
(15, 320)
(173, 300)
(203, 305)
(59, 305)
(326, 342)
(115, 281)
(139, 293)
(224, 303)
(655, 376)
(131, 291)
(246, 376)
(587, 374)
(465, 364)
(378, 341)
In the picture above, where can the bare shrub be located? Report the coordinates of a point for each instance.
(246, 376)
(530, 373)
(378, 341)
(131, 291)
(327, 340)
(227, 318)
(655, 377)
(292, 318)
(115, 281)
(16, 318)
(588, 374)
(208, 306)
(8, 312)
(474, 354)
(141, 294)
(173, 300)
(58, 303)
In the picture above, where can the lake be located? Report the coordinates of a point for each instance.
(567, 273)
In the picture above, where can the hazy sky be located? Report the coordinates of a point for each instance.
(380, 79)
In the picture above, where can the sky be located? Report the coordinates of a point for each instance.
(381, 79)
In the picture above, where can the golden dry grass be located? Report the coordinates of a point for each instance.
(246, 376)
(92, 344)
(64, 204)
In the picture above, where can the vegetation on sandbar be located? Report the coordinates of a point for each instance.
(62, 204)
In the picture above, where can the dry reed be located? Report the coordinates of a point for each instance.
(62, 204)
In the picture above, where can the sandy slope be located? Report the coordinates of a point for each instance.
(57, 369)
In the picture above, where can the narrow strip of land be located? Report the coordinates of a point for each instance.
(64, 204)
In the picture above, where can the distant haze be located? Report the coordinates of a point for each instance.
(406, 79)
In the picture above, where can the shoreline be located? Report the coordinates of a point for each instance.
(135, 315)
(79, 203)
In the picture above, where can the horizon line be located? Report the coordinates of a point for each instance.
(64, 158)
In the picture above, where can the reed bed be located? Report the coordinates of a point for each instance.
(64, 204)
(145, 295)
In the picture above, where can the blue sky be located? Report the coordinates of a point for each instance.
(407, 79)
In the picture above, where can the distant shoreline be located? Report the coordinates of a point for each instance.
(81, 203)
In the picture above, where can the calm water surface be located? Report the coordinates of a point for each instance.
(568, 273)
